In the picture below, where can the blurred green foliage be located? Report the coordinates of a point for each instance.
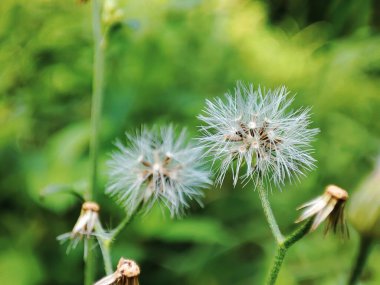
(162, 62)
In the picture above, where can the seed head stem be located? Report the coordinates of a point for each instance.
(283, 247)
(106, 243)
(269, 214)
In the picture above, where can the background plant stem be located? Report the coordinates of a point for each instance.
(96, 108)
(361, 259)
(97, 96)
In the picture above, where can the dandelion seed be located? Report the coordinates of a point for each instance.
(253, 128)
(87, 225)
(157, 166)
(328, 206)
(127, 273)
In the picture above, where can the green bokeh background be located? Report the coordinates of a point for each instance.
(162, 63)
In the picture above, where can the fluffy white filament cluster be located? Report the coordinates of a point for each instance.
(157, 165)
(255, 128)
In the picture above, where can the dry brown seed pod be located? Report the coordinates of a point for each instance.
(127, 273)
(328, 206)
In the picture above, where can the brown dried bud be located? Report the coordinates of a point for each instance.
(127, 273)
(330, 205)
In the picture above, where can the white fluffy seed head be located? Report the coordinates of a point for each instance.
(255, 128)
(157, 165)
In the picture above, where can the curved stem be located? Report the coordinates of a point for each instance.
(269, 215)
(283, 248)
(361, 259)
(298, 233)
(126, 221)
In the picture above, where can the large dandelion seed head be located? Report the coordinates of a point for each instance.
(256, 129)
(157, 165)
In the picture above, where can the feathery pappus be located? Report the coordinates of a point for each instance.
(255, 129)
(157, 166)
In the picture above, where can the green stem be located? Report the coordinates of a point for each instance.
(125, 222)
(97, 98)
(269, 215)
(283, 248)
(277, 263)
(89, 271)
(361, 259)
(105, 247)
(106, 243)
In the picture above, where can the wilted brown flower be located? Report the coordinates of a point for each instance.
(85, 226)
(127, 273)
(330, 205)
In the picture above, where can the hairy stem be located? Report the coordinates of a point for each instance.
(269, 214)
(97, 98)
(361, 259)
(283, 248)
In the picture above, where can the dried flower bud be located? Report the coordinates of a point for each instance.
(127, 273)
(364, 209)
(87, 224)
(330, 205)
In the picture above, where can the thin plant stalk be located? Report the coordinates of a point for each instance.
(106, 243)
(361, 259)
(283, 247)
(283, 243)
(96, 108)
(97, 96)
(105, 247)
(269, 214)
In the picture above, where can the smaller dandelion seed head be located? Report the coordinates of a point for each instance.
(157, 165)
(255, 129)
